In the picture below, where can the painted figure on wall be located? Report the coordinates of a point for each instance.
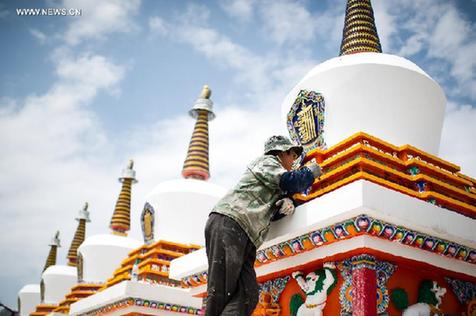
(316, 285)
(430, 295)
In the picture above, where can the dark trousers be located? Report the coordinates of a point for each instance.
(232, 287)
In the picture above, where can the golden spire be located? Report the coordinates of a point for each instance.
(54, 244)
(121, 219)
(360, 34)
(196, 164)
(78, 239)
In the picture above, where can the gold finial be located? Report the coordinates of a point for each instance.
(206, 92)
(120, 221)
(360, 33)
(79, 235)
(51, 259)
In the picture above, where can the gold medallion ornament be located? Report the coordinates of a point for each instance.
(147, 223)
(305, 120)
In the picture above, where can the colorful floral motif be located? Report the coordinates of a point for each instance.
(464, 291)
(366, 225)
(127, 302)
(274, 287)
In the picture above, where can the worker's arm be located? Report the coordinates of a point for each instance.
(296, 181)
(292, 182)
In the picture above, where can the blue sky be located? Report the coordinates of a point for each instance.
(79, 95)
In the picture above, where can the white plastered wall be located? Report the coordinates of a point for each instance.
(58, 282)
(102, 255)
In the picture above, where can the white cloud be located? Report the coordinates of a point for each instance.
(241, 9)
(259, 73)
(157, 25)
(412, 46)
(55, 157)
(453, 41)
(438, 30)
(40, 36)
(252, 69)
(385, 23)
(457, 142)
(93, 71)
(329, 26)
(288, 21)
(55, 153)
(100, 18)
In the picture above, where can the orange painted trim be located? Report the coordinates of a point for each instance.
(359, 137)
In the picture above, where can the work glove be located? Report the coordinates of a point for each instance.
(286, 206)
(314, 167)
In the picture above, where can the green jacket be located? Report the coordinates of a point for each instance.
(251, 203)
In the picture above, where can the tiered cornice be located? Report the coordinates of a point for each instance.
(405, 169)
(154, 261)
(77, 293)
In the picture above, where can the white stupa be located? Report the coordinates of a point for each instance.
(28, 299)
(32, 295)
(56, 280)
(100, 255)
(187, 202)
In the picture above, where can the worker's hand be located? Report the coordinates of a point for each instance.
(314, 167)
(286, 206)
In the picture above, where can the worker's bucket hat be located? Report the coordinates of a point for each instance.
(281, 143)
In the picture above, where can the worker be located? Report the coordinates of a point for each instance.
(238, 224)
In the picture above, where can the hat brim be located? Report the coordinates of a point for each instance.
(298, 149)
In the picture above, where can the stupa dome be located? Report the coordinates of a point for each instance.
(101, 254)
(182, 207)
(379, 94)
